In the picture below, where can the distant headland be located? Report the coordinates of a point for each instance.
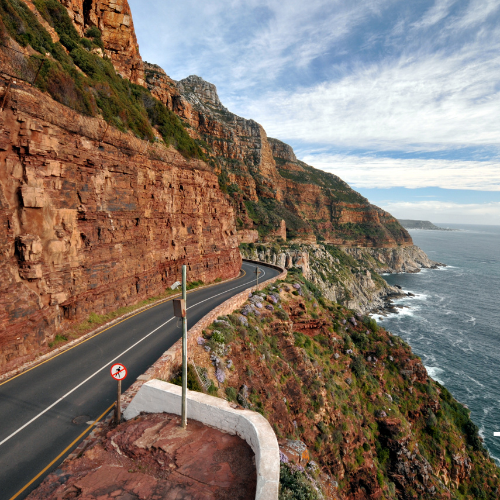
(421, 224)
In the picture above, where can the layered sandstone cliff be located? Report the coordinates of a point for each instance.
(88, 228)
(267, 182)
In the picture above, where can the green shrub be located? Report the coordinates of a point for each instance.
(358, 366)
(193, 383)
(231, 393)
(294, 485)
(371, 323)
(282, 315)
(218, 337)
(59, 339)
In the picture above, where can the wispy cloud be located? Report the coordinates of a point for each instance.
(243, 44)
(436, 13)
(431, 102)
(373, 172)
(437, 211)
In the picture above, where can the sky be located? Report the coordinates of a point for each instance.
(401, 99)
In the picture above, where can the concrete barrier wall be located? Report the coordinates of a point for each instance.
(157, 396)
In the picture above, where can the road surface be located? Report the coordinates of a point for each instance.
(38, 407)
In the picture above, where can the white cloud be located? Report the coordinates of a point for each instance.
(437, 211)
(477, 12)
(436, 13)
(244, 43)
(415, 103)
(372, 172)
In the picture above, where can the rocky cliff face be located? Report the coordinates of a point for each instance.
(114, 20)
(266, 181)
(349, 276)
(88, 228)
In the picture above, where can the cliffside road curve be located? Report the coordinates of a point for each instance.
(38, 408)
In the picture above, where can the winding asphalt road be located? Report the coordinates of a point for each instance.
(37, 408)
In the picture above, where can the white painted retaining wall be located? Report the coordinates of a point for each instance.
(156, 396)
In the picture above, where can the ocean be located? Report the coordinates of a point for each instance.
(453, 322)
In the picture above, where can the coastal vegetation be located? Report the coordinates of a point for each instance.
(356, 396)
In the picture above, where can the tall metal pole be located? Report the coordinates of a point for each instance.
(184, 353)
(118, 415)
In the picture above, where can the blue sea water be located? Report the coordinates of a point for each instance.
(453, 323)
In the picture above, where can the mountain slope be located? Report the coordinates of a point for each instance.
(266, 181)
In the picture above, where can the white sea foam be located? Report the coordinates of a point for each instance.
(474, 380)
(447, 268)
(472, 320)
(405, 312)
(417, 296)
(434, 372)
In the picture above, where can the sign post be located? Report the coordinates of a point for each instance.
(118, 372)
(180, 312)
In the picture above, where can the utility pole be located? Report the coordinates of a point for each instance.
(180, 312)
(184, 351)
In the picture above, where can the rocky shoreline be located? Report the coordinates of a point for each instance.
(350, 276)
(396, 293)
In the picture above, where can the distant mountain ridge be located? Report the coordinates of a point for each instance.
(421, 224)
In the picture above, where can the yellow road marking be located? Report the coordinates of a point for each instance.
(27, 485)
(162, 301)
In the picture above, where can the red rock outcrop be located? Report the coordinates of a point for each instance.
(88, 228)
(114, 19)
(153, 457)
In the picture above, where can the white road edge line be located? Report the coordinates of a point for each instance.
(107, 364)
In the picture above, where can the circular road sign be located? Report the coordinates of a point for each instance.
(118, 371)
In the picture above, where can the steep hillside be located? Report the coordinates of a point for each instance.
(347, 275)
(352, 406)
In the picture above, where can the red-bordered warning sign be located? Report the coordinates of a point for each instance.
(118, 371)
